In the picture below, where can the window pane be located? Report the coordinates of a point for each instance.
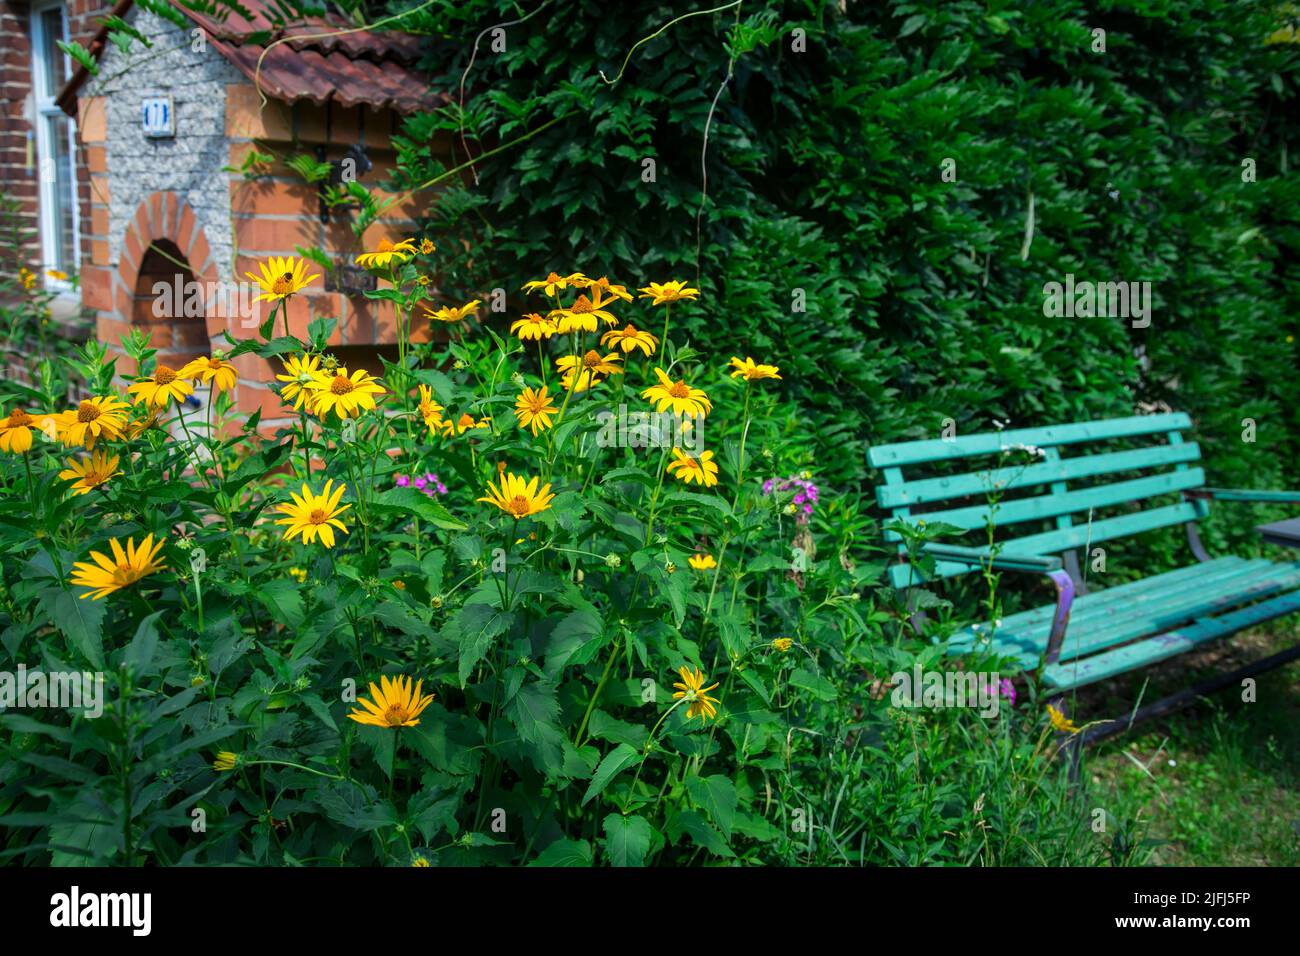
(63, 191)
(53, 61)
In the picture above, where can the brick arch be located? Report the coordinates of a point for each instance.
(164, 228)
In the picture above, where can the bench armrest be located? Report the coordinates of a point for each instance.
(1034, 563)
(1245, 494)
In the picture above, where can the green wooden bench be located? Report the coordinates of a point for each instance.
(1089, 483)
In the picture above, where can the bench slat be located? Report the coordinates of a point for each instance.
(1062, 539)
(925, 490)
(990, 443)
(1067, 503)
(1089, 670)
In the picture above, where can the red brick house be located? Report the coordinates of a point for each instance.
(182, 150)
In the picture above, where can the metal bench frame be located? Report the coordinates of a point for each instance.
(1037, 553)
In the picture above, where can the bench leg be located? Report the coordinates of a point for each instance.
(1184, 698)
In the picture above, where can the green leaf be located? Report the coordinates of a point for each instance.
(565, 853)
(80, 620)
(615, 762)
(627, 839)
(697, 828)
(283, 599)
(139, 653)
(716, 795)
(478, 626)
(411, 501)
(815, 684)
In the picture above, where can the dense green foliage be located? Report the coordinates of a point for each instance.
(824, 174)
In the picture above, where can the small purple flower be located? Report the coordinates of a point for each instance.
(421, 482)
(1007, 690)
(402, 481)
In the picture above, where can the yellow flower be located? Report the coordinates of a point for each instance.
(702, 562)
(57, 274)
(281, 278)
(386, 252)
(534, 409)
(98, 416)
(226, 760)
(630, 338)
(463, 424)
(518, 496)
(581, 317)
(313, 515)
(392, 704)
(532, 327)
(449, 314)
(554, 283)
(430, 410)
(668, 292)
(597, 286)
(1060, 721)
(427, 247)
(298, 574)
(421, 861)
(104, 575)
(16, 432)
(702, 470)
(299, 372)
(751, 371)
(89, 473)
(782, 644)
(27, 277)
(215, 370)
(692, 689)
(590, 367)
(342, 393)
(161, 387)
(680, 397)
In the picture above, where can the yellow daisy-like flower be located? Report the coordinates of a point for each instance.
(680, 397)
(99, 416)
(555, 283)
(299, 372)
(702, 470)
(702, 562)
(534, 409)
(313, 515)
(27, 277)
(216, 370)
(750, 371)
(1060, 721)
(630, 338)
(104, 575)
(87, 474)
(782, 644)
(57, 274)
(281, 278)
(227, 760)
(427, 247)
(453, 314)
(581, 317)
(386, 252)
(518, 496)
(692, 689)
(161, 387)
(673, 291)
(342, 393)
(609, 289)
(590, 369)
(394, 703)
(532, 327)
(430, 410)
(298, 574)
(421, 861)
(465, 423)
(16, 432)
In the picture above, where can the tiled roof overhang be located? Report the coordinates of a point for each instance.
(321, 60)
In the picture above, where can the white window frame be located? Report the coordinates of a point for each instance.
(45, 107)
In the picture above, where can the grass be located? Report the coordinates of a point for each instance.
(1216, 784)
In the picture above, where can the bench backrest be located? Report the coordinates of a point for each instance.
(1094, 481)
